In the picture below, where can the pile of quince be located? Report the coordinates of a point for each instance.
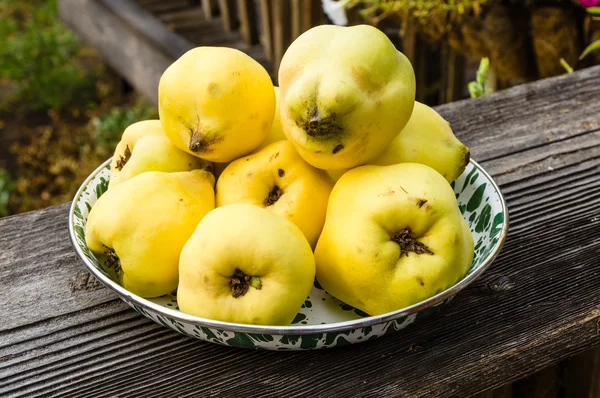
(242, 193)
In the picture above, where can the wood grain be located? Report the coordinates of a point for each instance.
(538, 303)
(208, 7)
(248, 21)
(228, 12)
(198, 31)
(129, 47)
(266, 22)
(149, 26)
(281, 14)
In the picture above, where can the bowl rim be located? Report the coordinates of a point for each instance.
(289, 329)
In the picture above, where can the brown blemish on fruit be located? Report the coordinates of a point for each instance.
(280, 172)
(362, 79)
(274, 156)
(112, 260)
(466, 157)
(122, 161)
(338, 148)
(388, 192)
(213, 89)
(420, 280)
(421, 202)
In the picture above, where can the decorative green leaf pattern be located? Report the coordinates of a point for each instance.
(477, 200)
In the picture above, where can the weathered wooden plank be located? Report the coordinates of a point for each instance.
(130, 47)
(228, 13)
(537, 304)
(414, 49)
(317, 16)
(281, 31)
(171, 5)
(188, 18)
(295, 18)
(248, 21)
(559, 115)
(266, 23)
(502, 392)
(139, 45)
(148, 26)
(208, 7)
(452, 68)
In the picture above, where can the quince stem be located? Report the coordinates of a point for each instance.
(240, 283)
(408, 243)
(255, 282)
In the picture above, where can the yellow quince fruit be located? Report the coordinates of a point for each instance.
(278, 179)
(346, 92)
(216, 103)
(138, 227)
(244, 264)
(427, 139)
(145, 147)
(393, 236)
(276, 133)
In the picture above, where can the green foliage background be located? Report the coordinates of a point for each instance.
(69, 110)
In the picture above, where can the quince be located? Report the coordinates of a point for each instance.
(393, 236)
(138, 227)
(277, 179)
(145, 147)
(427, 139)
(346, 92)
(216, 103)
(245, 264)
(276, 133)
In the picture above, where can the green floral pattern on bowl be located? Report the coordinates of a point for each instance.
(323, 321)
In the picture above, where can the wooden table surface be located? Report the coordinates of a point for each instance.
(63, 334)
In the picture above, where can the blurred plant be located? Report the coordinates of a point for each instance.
(59, 156)
(84, 111)
(480, 86)
(378, 10)
(594, 11)
(589, 3)
(107, 129)
(37, 53)
(593, 46)
(7, 187)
